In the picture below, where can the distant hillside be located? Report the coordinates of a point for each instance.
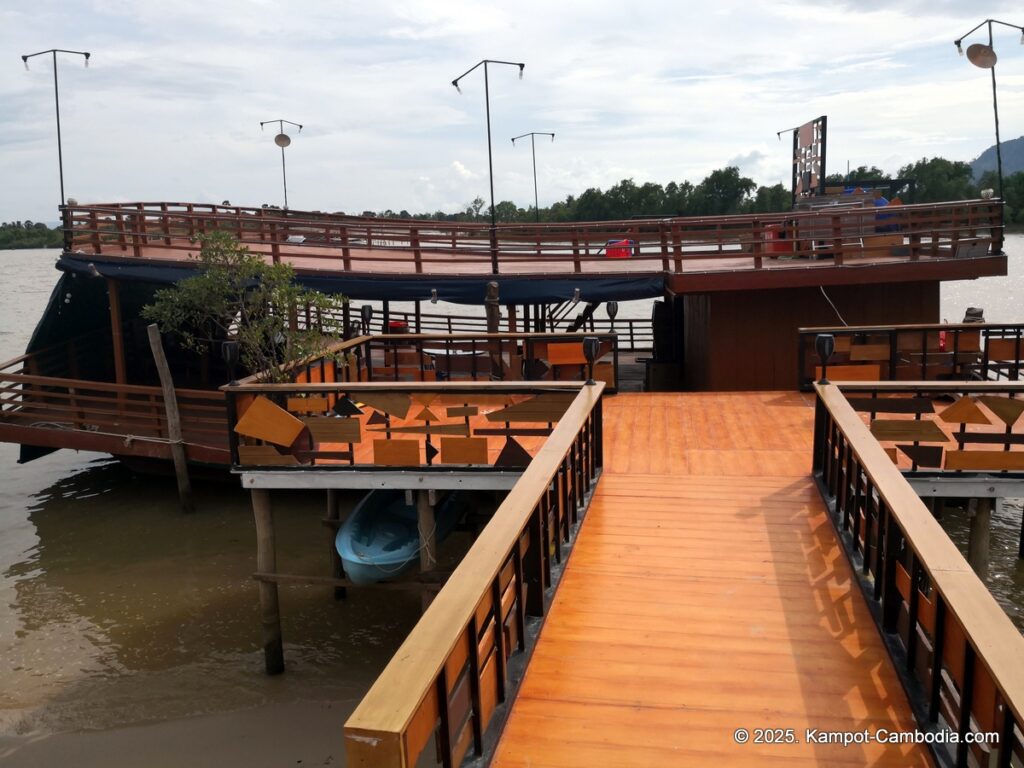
(1013, 159)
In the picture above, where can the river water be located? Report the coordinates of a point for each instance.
(117, 611)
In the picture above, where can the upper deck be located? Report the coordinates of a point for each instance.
(378, 258)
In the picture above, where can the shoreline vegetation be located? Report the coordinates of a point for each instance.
(28, 234)
(722, 192)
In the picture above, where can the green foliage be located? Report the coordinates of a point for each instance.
(28, 234)
(237, 296)
(861, 172)
(939, 179)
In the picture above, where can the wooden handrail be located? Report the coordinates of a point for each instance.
(432, 242)
(103, 386)
(377, 731)
(853, 469)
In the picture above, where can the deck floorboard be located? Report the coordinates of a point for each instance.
(706, 592)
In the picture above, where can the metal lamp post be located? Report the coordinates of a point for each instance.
(56, 102)
(490, 160)
(282, 140)
(984, 56)
(533, 150)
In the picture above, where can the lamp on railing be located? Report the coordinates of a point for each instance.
(533, 150)
(56, 103)
(490, 161)
(984, 57)
(591, 347)
(824, 345)
(366, 314)
(433, 295)
(282, 140)
(613, 309)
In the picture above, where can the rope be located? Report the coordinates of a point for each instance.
(822, 289)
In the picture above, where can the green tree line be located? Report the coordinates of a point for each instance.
(29, 234)
(726, 191)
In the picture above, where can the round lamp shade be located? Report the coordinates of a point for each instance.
(282, 140)
(981, 55)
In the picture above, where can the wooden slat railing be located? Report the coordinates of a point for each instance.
(451, 675)
(950, 429)
(922, 352)
(907, 232)
(109, 417)
(634, 334)
(459, 357)
(958, 652)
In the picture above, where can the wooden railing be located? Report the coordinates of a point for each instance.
(118, 418)
(945, 428)
(460, 357)
(333, 424)
(958, 652)
(908, 232)
(634, 334)
(966, 351)
(452, 674)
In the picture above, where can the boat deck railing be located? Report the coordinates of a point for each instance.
(460, 357)
(634, 334)
(843, 234)
(965, 351)
(957, 650)
(453, 672)
(56, 412)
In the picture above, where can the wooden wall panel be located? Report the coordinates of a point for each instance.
(747, 340)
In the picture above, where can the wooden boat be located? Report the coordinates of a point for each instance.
(380, 539)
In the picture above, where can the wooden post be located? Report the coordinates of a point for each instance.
(114, 294)
(334, 514)
(426, 523)
(266, 562)
(493, 309)
(173, 419)
(980, 513)
(427, 530)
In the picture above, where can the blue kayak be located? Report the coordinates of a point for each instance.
(380, 539)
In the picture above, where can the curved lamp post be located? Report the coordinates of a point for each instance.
(984, 56)
(56, 102)
(533, 149)
(490, 161)
(282, 140)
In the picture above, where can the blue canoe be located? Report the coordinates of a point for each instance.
(380, 539)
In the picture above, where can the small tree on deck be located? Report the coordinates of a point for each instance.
(237, 296)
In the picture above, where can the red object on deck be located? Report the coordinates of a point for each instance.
(619, 249)
(775, 241)
(397, 326)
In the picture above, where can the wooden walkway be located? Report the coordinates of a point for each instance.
(706, 592)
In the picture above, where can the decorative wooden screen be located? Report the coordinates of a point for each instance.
(809, 158)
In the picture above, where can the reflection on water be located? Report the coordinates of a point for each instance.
(1006, 570)
(122, 610)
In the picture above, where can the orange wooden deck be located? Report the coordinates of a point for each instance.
(706, 592)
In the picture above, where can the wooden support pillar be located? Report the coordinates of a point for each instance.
(266, 562)
(980, 513)
(493, 309)
(334, 514)
(427, 527)
(173, 419)
(116, 335)
(426, 522)
(512, 321)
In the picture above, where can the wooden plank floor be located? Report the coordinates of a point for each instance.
(706, 592)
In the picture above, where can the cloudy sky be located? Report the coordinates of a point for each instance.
(170, 106)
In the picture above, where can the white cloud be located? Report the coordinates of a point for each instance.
(656, 91)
